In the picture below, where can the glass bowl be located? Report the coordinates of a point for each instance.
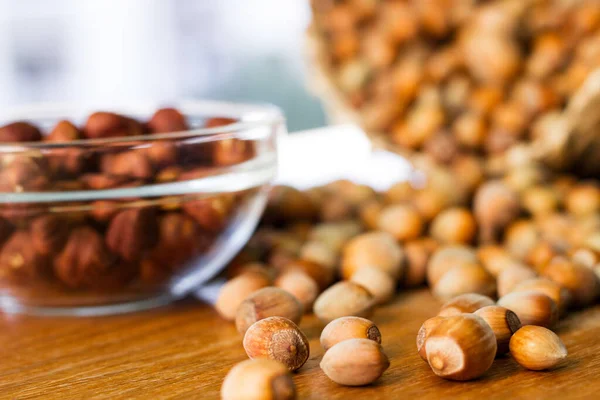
(110, 225)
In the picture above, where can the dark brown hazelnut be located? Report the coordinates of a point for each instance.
(162, 154)
(232, 151)
(289, 204)
(102, 125)
(210, 213)
(132, 233)
(20, 132)
(19, 261)
(65, 161)
(23, 174)
(104, 210)
(102, 181)
(5, 230)
(167, 120)
(218, 121)
(85, 262)
(49, 234)
(131, 164)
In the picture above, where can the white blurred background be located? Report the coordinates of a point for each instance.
(100, 51)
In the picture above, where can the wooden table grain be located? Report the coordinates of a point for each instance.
(183, 351)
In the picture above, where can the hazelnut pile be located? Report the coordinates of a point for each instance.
(530, 239)
(65, 253)
(452, 77)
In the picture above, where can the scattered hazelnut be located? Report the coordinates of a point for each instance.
(322, 275)
(257, 380)
(520, 237)
(556, 292)
(466, 278)
(129, 164)
(102, 125)
(334, 235)
(401, 221)
(344, 299)
(532, 308)
(132, 232)
(319, 253)
(537, 348)
(461, 347)
(511, 276)
(379, 283)
(167, 120)
(465, 303)
(375, 249)
(236, 290)
(503, 322)
(369, 214)
(20, 132)
(278, 339)
(583, 199)
(288, 204)
(495, 259)
(345, 328)
(580, 281)
(424, 333)
(211, 213)
(454, 226)
(267, 302)
(299, 284)
(495, 206)
(355, 362)
(417, 256)
(446, 258)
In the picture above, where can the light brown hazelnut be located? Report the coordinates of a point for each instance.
(335, 208)
(289, 204)
(417, 254)
(520, 237)
(511, 276)
(299, 284)
(580, 281)
(19, 132)
(167, 120)
(446, 258)
(334, 235)
(399, 193)
(319, 253)
(541, 254)
(210, 213)
(461, 347)
(267, 302)
(537, 348)
(401, 221)
(466, 278)
(18, 260)
(556, 292)
(381, 285)
(532, 308)
(375, 249)
(258, 380)
(355, 362)
(235, 291)
(454, 226)
(345, 328)
(495, 206)
(465, 303)
(278, 339)
(429, 202)
(495, 259)
(369, 214)
(540, 201)
(503, 322)
(322, 275)
(583, 199)
(344, 299)
(470, 130)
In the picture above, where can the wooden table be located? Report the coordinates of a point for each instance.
(185, 350)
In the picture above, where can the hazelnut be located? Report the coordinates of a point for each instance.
(245, 261)
(541, 254)
(336, 208)
(511, 276)
(299, 284)
(85, 262)
(466, 278)
(399, 193)
(556, 292)
(102, 125)
(163, 154)
(583, 199)
(288, 204)
(520, 237)
(461, 347)
(537, 348)
(69, 162)
(23, 174)
(441, 147)
(232, 151)
(424, 332)
(130, 164)
(465, 303)
(101, 181)
(495, 206)
(278, 339)
(375, 249)
(319, 253)
(20, 132)
(49, 234)
(495, 259)
(446, 258)
(580, 281)
(379, 283)
(210, 213)
(355, 362)
(236, 290)
(532, 308)
(540, 201)
(104, 210)
(218, 122)
(167, 120)
(321, 274)
(346, 328)
(454, 226)
(401, 221)
(267, 302)
(132, 232)
(369, 214)
(353, 193)
(5, 230)
(429, 202)
(344, 299)
(257, 380)
(334, 235)
(417, 254)
(503, 322)
(20, 261)
(470, 130)
(484, 99)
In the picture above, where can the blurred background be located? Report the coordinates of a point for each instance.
(99, 52)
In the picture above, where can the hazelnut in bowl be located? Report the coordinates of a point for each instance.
(128, 208)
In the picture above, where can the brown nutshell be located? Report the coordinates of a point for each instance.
(132, 232)
(267, 302)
